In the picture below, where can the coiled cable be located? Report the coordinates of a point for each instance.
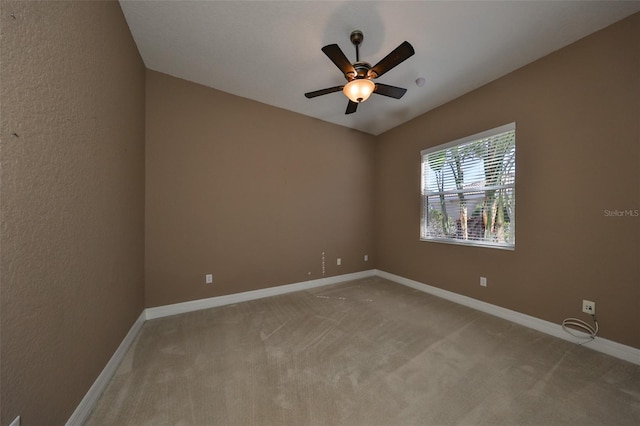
(574, 324)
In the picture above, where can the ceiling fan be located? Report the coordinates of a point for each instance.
(360, 75)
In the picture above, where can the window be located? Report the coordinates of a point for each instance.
(468, 190)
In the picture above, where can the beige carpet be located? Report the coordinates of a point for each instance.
(366, 352)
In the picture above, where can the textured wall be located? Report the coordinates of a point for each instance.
(251, 193)
(578, 154)
(72, 139)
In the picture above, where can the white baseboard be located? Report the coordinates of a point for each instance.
(87, 404)
(599, 344)
(212, 302)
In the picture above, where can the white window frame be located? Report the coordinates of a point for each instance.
(508, 185)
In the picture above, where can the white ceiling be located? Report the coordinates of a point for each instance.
(269, 51)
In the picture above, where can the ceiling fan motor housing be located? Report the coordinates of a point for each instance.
(363, 70)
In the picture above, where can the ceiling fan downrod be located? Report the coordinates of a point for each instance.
(356, 38)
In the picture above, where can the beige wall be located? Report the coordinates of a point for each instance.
(72, 200)
(578, 154)
(250, 193)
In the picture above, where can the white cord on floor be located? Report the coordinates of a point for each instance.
(570, 324)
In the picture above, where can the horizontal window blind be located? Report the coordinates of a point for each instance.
(468, 190)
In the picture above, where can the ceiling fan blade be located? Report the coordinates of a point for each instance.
(336, 55)
(390, 91)
(398, 55)
(351, 107)
(323, 92)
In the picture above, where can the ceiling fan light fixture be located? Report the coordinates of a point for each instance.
(359, 90)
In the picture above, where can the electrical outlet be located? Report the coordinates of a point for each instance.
(339, 262)
(589, 307)
(483, 281)
(366, 257)
(208, 278)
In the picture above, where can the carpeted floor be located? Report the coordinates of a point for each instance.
(366, 352)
